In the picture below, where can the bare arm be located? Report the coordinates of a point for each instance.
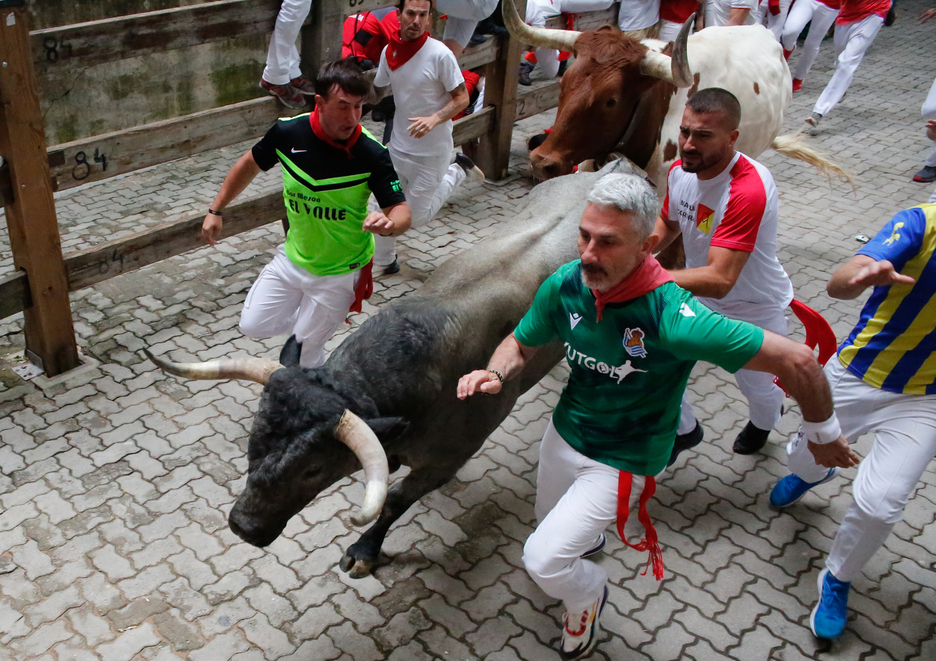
(861, 272)
(737, 16)
(422, 125)
(508, 360)
(716, 278)
(802, 376)
(667, 230)
(390, 221)
(234, 184)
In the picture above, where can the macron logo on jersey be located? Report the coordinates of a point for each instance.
(574, 319)
(686, 311)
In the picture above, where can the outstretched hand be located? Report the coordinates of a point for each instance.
(879, 274)
(478, 381)
(835, 454)
(927, 15)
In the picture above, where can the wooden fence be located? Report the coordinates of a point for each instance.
(43, 276)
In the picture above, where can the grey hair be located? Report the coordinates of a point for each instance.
(627, 192)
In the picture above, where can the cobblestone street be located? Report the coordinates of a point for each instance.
(115, 485)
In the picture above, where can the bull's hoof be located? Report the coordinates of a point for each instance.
(356, 567)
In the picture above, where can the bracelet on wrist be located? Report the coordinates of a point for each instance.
(214, 213)
(500, 377)
(822, 433)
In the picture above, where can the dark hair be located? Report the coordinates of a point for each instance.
(403, 4)
(346, 74)
(716, 99)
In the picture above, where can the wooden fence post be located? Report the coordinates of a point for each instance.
(34, 234)
(492, 153)
(321, 41)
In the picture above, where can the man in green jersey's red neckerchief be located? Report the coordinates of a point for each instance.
(631, 337)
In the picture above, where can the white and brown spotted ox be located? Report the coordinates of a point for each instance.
(627, 96)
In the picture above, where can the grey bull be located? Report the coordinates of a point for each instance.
(398, 374)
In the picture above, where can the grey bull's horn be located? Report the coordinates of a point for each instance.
(363, 442)
(253, 369)
(673, 69)
(539, 37)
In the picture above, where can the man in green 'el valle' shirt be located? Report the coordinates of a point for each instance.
(330, 168)
(631, 337)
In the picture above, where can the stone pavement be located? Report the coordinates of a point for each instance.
(115, 485)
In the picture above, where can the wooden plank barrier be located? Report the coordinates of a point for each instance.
(103, 156)
(112, 39)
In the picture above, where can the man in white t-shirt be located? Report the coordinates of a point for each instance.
(428, 90)
(640, 18)
(725, 205)
(729, 12)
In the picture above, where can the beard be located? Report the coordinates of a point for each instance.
(595, 277)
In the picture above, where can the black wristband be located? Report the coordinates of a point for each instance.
(500, 377)
(214, 213)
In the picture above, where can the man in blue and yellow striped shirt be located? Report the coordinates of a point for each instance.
(883, 381)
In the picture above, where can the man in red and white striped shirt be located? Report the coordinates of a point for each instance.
(725, 206)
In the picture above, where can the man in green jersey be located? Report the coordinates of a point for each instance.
(631, 337)
(330, 168)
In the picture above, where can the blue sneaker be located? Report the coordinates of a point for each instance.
(600, 544)
(828, 617)
(791, 488)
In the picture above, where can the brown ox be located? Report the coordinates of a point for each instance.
(627, 96)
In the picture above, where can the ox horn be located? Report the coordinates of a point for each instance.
(673, 69)
(363, 442)
(252, 369)
(539, 37)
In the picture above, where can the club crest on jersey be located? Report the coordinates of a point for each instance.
(634, 344)
(895, 235)
(704, 218)
(574, 318)
(686, 311)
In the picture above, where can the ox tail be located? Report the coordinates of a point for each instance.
(793, 145)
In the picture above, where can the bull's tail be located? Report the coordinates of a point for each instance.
(794, 145)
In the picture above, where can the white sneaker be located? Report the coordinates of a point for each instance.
(814, 119)
(580, 630)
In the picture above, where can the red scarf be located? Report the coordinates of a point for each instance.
(399, 52)
(643, 280)
(327, 139)
(364, 288)
(650, 542)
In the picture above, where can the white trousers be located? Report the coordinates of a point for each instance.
(929, 105)
(929, 112)
(904, 428)
(282, 63)
(822, 18)
(463, 17)
(289, 299)
(764, 397)
(428, 182)
(773, 23)
(851, 42)
(669, 30)
(548, 58)
(576, 499)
